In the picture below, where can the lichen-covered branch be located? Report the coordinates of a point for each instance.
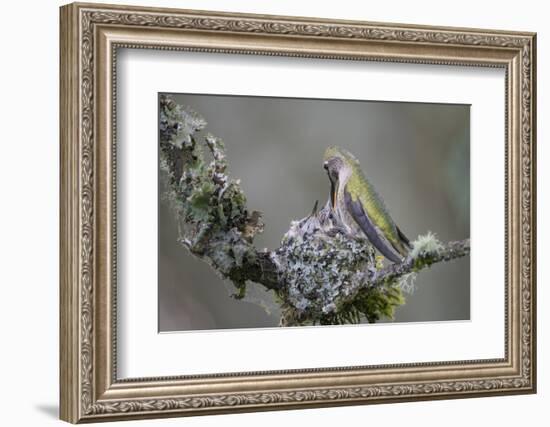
(419, 261)
(319, 274)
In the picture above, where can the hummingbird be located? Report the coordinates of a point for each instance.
(359, 208)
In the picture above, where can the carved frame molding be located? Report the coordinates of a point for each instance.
(90, 36)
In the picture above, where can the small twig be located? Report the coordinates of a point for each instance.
(450, 251)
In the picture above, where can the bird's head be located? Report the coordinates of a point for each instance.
(338, 163)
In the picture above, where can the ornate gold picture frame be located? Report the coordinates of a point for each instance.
(91, 34)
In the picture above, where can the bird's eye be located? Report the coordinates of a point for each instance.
(325, 165)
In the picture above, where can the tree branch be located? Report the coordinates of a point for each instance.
(319, 274)
(423, 260)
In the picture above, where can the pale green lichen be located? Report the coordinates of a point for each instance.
(211, 207)
(407, 282)
(317, 271)
(426, 244)
(178, 124)
(327, 273)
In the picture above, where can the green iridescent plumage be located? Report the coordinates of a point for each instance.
(359, 207)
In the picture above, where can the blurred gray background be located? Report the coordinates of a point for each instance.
(416, 155)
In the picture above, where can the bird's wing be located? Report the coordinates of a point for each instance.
(373, 233)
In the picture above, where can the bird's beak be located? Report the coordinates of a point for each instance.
(332, 186)
(332, 194)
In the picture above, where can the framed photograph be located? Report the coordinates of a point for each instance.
(267, 212)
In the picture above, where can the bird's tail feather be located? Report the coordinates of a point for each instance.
(403, 238)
